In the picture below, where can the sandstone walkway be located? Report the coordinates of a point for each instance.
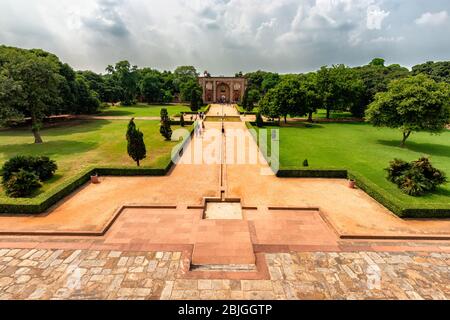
(140, 237)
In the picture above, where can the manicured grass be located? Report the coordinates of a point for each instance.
(365, 150)
(78, 145)
(144, 110)
(322, 114)
(241, 109)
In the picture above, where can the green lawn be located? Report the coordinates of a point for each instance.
(81, 144)
(144, 110)
(242, 110)
(366, 150)
(322, 114)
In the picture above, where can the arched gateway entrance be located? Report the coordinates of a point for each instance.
(223, 93)
(222, 89)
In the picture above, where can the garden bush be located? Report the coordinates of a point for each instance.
(416, 178)
(43, 167)
(21, 184)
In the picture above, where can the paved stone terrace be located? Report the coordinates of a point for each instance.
(89, 274)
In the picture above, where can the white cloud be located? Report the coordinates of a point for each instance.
(225, 36)
(375, 17)
(387, 39)
(432, 19)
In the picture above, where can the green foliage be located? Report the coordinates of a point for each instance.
(260, 82)
(21, 184)
(125, 76)
(438, 71)
(376, 78)
(191, 91)
(259, 120)
(34, 76)
(136, 146)
(339, 88)
(165, 129)
(396, 169)
(151, 87)
(42, 167)
(182, 120)
(412, 104)
(416, 178)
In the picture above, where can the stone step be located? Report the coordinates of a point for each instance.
(223, 242)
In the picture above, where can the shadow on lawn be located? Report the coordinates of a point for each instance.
(115, 113)
(425, 148)
(50, 148)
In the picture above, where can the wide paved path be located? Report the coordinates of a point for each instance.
(143, 254)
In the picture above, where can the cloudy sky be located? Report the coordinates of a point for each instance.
(226, 36)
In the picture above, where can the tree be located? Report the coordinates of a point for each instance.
(192, 91)
(287, 98)
(182, 75)
(165, 129)
(375, 77)
(136, 145)
(86, 101)
(413, 104)
(438, 71)
(131, 129)
(125, 77)
(251, 96)
(151, 88)
(377, 62)
(339, 88)
(311, 98)
(37, 74)
(10, 97)
(182, 120)
(259, 120)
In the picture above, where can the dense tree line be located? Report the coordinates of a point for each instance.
(335, 88)
(35, 84)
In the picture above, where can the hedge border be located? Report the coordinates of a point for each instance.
(46, 200)
(196, 112)
(241, 111)
(398, 207)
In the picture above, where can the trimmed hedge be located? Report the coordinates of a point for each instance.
(44, 201)
(332, 174)
(241, 110)
(206, 110)
(385, 198)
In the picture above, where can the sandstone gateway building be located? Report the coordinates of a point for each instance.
(222, 89)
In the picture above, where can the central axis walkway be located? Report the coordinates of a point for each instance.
(135, 237)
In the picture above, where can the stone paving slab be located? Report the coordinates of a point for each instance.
(41, 274)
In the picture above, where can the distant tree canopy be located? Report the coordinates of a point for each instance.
(35, 84)
(438, 71)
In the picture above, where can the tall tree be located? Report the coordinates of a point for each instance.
(339, 88)
(38, 75)
(412, 104)
(287, 98)
(135, 143)
(126, 77)
(192, 91)
(311, 98)
(165, 129)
